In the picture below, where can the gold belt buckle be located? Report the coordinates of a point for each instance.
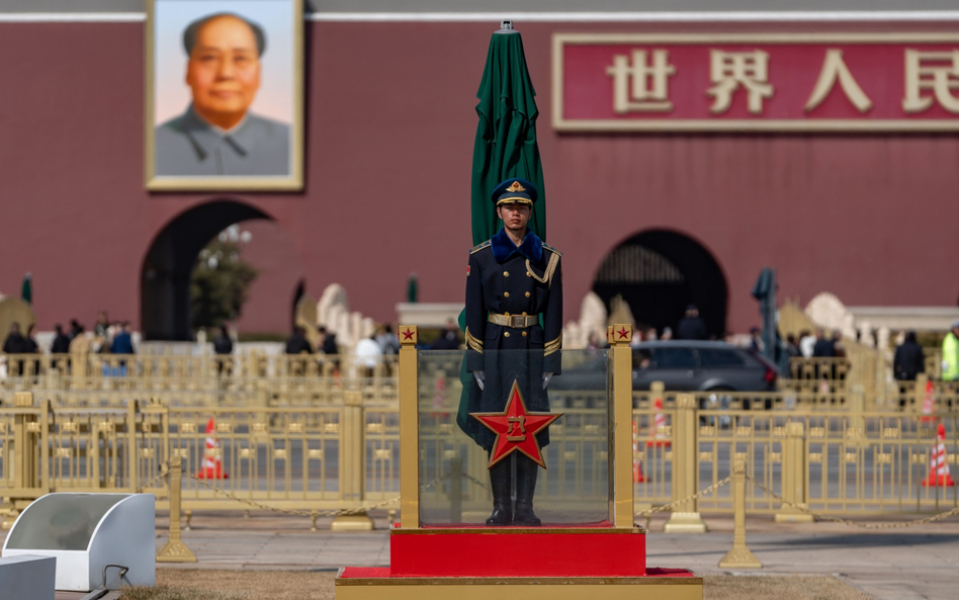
(517, 322)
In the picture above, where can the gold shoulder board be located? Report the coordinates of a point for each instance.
(476, 249)
(553, 250)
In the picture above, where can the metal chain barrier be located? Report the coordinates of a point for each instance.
(695, 496)
(469, 477)
(824, 517)
(164, 469)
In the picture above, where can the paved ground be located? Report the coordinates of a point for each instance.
(891, 564)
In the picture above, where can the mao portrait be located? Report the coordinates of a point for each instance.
(224, 109)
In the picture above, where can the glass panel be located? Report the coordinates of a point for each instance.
(674, 358)
(61, 521)
(715, 357)
(455, 478)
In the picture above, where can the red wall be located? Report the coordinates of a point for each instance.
(390, 130)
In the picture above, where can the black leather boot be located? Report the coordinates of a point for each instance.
(526, 471)
(499, 476)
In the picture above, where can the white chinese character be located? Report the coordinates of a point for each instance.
(834, 68)
(730, 70)
(936, 71)
(649, 82)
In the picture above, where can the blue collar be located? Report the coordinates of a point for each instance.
(503, 247)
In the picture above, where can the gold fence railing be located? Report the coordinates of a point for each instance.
(346, 455)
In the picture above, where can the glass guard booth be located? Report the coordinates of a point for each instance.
(579, 428)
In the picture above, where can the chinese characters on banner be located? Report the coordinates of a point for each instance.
(785, 82)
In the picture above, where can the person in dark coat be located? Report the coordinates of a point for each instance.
(222, 344)
(908, 360)
(61, 341)
(514, 301)
(15, 344)
(692, 326)
(297, 343)
(824, 347)
(448, 340)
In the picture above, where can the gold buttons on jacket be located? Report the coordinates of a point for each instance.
(524, 334)
(506, 294)
(506, 334)
(505, 273)
(527, 274)
(527, 294)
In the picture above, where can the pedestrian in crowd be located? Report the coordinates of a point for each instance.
(908, 360)
(756, 340)
(297, 342)
(30, 345)
(792, 348)
(651, 334)
(667, 334)
(592, 341)
(329, 344)
(692, 326)
(101, 329)
(75, 328)
(807, 341)
(637, 338)
(222, 343)
(447, 340)
(824, 347)
(389, 343)
(368, 355)
(14, 344)
(950, 354)
(122, 343)
(61, 341)
(80, 344)
(838, 347)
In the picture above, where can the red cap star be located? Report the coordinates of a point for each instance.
(516, 429)
(623, 332)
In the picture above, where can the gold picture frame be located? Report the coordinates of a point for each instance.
(293, 180)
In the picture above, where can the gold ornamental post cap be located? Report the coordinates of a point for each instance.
(620, 334)
(408, 335)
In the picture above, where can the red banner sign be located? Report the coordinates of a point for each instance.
(740, 82)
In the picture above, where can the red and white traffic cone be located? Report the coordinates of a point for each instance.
(929, 403)
(657, 435)
(938, 466)
(212, 467)
(638, 476)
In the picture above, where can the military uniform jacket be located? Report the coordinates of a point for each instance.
(524, 281)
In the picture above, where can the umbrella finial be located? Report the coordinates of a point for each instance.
(506, 26)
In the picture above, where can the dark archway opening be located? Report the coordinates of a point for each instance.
(658, 273)
(165, 278)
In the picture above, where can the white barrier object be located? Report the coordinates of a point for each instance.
(93, 537)
(27, 576)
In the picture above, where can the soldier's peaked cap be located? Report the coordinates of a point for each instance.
(515, 191)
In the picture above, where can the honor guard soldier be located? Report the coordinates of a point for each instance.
(514, 318)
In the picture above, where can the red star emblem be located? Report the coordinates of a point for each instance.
(408, 334)
(623, 332)
(516, 429)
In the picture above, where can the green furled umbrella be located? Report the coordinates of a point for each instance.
(26, 291)
(505, 143)
(505, 147)
(412, 289)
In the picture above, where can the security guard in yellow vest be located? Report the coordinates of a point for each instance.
(950, 354)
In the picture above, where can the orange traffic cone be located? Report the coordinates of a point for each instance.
(637, 464)
(929, 403)
(938, 467)
(212, 467)
(657, 435)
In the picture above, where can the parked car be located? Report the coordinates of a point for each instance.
(681, 366)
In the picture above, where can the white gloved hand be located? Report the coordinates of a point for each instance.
(480, 378)
(546, 378)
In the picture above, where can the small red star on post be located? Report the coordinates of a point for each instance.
(623, 333)
(516, 429)
(408, 334)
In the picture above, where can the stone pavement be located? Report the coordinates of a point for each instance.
(893, 564)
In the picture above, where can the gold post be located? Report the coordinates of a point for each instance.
(739, 557)
(622, 430)
(352, 454)
(175, 550)
(685, 517)
(919, 392)
(409, 430)
(794, 475)
(857, 405)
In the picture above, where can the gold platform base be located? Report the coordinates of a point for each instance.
(680, 522)
(793, 516)
(356, 522)
(532, 588)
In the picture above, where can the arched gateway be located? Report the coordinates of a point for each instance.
(165, 276)
(660, 272)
